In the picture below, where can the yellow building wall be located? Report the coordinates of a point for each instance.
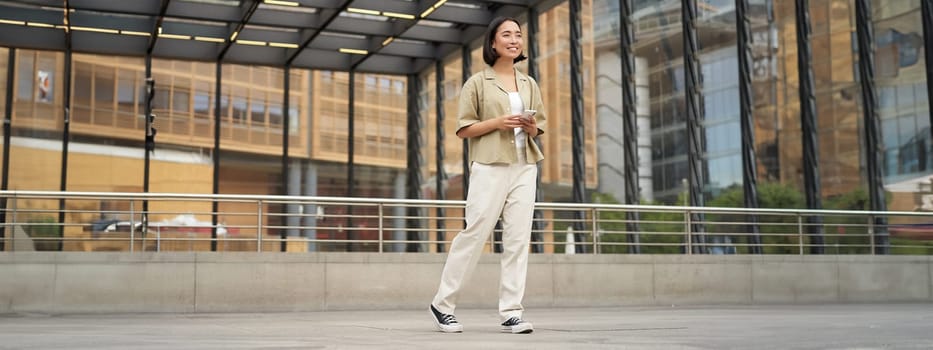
(103, 173)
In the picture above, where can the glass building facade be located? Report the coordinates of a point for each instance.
(107, 113)
(900, 82)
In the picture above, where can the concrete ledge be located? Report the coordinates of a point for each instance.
(73, 282)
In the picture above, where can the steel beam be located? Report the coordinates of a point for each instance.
(66, 125)
(926, 9)
(811, 159)
(218, 91)
(415, 161)
(693, 98)
(874, 149)
(440, 175)
(537, 224)
(286, 87)
(746, 107)
(149, 137)
(576, 122)
(466, 71)
(7, 133)
(247, 11)
(629, 122)
(351, 164)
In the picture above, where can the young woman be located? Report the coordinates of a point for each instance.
(500, 113)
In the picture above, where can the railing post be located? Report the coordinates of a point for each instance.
(689, 235)
(381, 226)
(13, 222)
(258, 226)
(595, 232)
(871, 233)
(132, 225)
(800, 233)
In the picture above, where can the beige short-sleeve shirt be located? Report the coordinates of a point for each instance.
(483, 98)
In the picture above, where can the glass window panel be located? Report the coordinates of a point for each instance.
(258, 110)
(889, 133)
(920, 89)
(181, 101)
(126, 91)
(905, 95)
(82, 84)
(25, 75)
(275, 114)
(46, 77)
(239, 109)
(160, 101)
(886, 97)
(203, 101)
(907, 128)
(103, 88)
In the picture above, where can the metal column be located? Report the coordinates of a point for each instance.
(351, 101)
(926, 8)
(576, 122)
(874, 151)
(629, 122)
(218, 91)
(467, 60)
(749, 162)
(537, 224)
(415, 160)
(693, 98)
(7, 131)
(66, 136)
(283, 234)
(149, 140)
(440, 174)
(811, 160)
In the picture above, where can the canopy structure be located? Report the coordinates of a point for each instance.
(378, 36)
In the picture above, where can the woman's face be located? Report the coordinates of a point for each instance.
(508, 41)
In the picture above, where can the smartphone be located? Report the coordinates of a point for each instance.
(528, 114)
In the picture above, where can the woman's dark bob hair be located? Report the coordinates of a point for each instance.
(489, 55)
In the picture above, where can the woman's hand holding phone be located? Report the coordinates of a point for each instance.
(528, 114)
(529, 124)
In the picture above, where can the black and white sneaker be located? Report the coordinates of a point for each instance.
(444, 322)
(516, 325)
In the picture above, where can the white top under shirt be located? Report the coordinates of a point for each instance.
(518, 107)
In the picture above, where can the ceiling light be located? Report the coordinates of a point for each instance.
(427, 12)
(282, 3)
(96, 30)
(388, 40)
(7, 21)
(285, 45)
(363, 11)
(209, 39)
(251, 42)
(174, 36)
(398, 15)
(354, 51)
(130, 32)
(42, 25)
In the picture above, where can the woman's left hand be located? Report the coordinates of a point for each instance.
(530, 126)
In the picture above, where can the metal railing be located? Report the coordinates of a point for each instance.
(106, 221)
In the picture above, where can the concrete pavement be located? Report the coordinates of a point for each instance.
(827, 326)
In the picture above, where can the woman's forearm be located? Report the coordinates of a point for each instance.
(480, 129)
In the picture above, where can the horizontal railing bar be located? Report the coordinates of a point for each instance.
(449, 203)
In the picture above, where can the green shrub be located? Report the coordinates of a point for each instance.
(45, 233)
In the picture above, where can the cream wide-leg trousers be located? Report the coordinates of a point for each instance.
(495, 189)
